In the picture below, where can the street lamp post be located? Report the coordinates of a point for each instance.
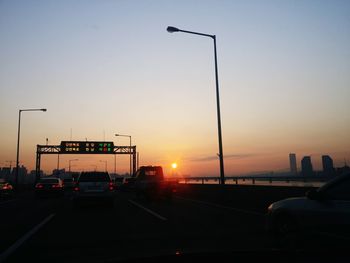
(122, 135)
(72, 160)
(18, 139)
(105, 164)
(171, 29)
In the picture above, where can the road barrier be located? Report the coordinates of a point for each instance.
(302, 181)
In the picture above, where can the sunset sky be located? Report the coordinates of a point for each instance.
(106, 67)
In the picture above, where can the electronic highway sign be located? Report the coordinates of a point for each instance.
(87, 147)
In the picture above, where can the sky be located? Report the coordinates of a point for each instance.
(106, 67)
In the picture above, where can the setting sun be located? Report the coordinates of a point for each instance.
(174, 165)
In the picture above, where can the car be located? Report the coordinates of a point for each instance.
(118, 181)
(127, 184)
(323, 215)
(50, 186)
(6, 189)
(149, 183)
(68, 184)
(94, 187)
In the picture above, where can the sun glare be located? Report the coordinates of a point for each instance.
(174, 165)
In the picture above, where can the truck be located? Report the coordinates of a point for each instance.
(149, 183)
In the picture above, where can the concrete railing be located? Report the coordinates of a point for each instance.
(266, 180)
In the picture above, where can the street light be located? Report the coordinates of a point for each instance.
(122, 135)
(18, 138)
(72, 160)
(105, 164)
(172, 29)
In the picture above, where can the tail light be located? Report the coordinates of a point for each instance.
(7, 187)
(111, 186)
(39, 186)
(76, 188)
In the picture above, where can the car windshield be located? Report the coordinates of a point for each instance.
(49, 181)
(68, 180)
(157, 130)
(94, 177)
(339, 189)
(150, 173)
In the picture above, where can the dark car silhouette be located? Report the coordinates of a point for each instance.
(50, 186)
(323, 214)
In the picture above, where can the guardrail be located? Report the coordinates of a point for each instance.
(269, 180)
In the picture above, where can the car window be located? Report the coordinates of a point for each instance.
(68, 180)
(94, 177)
(150, 172)
(340, 191)
(48, 181)
(119, 179)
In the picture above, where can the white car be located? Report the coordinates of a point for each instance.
(94, 187)
(323, 213)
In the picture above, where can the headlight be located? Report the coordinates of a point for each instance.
(269, 209)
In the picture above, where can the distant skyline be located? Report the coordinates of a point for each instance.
(106, 67)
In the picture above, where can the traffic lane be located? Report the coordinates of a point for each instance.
(251, 197)
(20, 215)
(196, 225)
(230, 228)
(92, 233)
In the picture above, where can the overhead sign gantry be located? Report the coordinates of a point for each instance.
(84, 147)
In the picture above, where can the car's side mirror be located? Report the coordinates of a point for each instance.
(315, 195)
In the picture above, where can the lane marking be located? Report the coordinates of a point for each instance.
(148, 210)
(6, 202)
(24, 238)
(221, 206)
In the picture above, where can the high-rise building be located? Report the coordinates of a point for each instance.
(293, 163)
(6, 173)
(306, 166)
(327, 164)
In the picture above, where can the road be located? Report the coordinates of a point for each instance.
(53, 230)
(200, 219)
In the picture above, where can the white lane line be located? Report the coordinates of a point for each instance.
(6, 202)
(148, 210)
(24, 238)
(221, 206)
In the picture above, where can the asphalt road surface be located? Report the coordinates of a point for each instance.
(53, 230)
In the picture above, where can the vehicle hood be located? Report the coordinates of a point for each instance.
(295, 203)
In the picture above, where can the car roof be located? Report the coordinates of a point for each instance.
(49, 178)
(150, 166)
(336, 180)
(93, 172)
